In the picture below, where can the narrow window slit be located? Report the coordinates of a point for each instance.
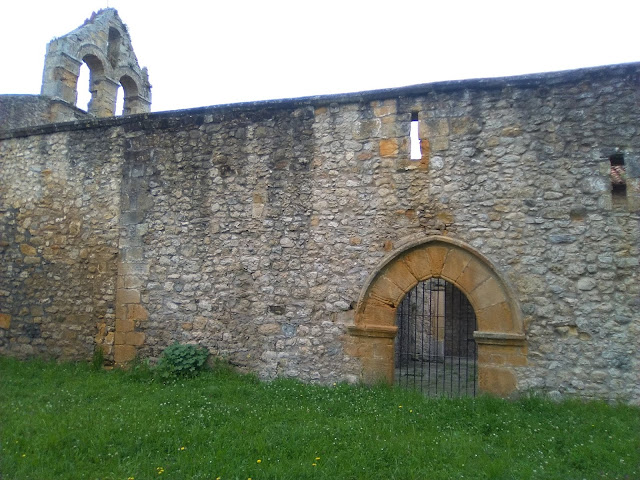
(416, 153)
(618, 177)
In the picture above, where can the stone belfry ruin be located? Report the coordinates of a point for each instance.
(103, 43)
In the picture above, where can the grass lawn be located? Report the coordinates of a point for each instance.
(70, 422)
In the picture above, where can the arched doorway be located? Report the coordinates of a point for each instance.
(499, 334)
(435, 352)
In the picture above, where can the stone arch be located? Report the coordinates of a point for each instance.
(95, 64)
(97, 56)
(102, 88)
(500, 335)
(131, 95)
(96, 82)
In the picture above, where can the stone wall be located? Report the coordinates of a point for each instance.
(60, 197)
(18, 111)
(256, 229)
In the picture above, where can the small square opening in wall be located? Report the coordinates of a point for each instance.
(618, 178)
(414, 135)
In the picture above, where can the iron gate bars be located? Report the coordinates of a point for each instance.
(434, 348)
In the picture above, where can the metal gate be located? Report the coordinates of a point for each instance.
(434, 348)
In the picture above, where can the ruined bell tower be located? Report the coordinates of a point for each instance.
(104, 45)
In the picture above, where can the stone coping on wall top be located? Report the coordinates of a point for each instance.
(23, 96)
(156, 119)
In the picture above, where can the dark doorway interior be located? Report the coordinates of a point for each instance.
(434, 348)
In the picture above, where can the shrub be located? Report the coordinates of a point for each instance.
(179, 360)
(97, 361)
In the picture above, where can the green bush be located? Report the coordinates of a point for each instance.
(179, 360)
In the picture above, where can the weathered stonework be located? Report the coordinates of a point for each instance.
(59, 244)
(282, 235)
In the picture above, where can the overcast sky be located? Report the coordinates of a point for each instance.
(224, 51)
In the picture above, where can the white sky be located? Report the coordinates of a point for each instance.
(224, 51)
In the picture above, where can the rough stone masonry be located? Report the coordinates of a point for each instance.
(281, 235)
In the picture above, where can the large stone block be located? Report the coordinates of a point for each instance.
(121, 311)
(124, 354)
(377, 370)
(425, 152)
(137, 312)
(124, 325)
(384, 108)
(400, 274)
(472, 276)
(437, 127)
(119, 338)
(495, 318)
(438, 255)
(134, 338)
(456, 261)
(385, 291)
(439, 144)
(419, 263)
(377, 313)
(128, 295)
(365, 129)
(383, 350)
(488, 293)
(501, 351)
(496, 380)
(131, 281)
(389, 147)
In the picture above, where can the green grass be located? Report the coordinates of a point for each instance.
(71, 422)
